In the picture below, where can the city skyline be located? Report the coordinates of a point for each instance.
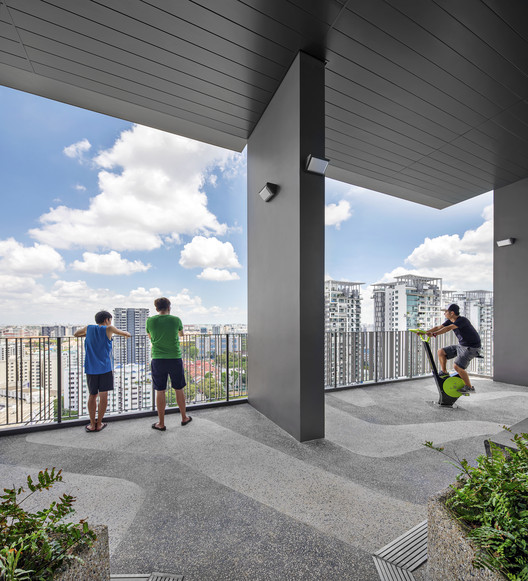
(101, 213)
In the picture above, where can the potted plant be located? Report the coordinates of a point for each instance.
(35, 546)
(482, 519)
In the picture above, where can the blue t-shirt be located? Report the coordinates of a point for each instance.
(97, 351)
(466, 334)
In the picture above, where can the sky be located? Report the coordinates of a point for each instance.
(99, 213)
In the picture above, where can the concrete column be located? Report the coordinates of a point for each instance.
(510, 284)
(286, 256)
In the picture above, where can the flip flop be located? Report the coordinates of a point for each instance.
(155, 427)
(87, 428)
(189, 420)
(103, 426)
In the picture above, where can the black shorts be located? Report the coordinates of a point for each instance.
(100, 382)
(163, 368)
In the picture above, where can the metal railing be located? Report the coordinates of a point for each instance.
(373, 357)
(42, 379)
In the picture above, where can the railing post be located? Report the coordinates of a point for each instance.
(335, 359)
(59, 380)
(378, 354)
(7, 380)
(227, 367)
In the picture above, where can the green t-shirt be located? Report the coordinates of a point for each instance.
(163, 331)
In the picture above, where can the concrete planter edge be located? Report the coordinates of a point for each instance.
(449, 551)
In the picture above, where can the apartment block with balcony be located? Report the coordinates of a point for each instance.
(132, 320)
(342, 306)
(409, 302)
(342, 326)
(477, 306)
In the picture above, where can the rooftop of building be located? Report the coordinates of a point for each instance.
(232, 496)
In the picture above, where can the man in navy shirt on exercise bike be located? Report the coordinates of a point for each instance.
(467, 349)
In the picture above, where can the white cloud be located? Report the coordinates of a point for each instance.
(151, 187)
(35, 260)
(218, 274)
(77, 150)
(80, 188)
(109, 264)
(208, 252)
(24, 301)
(337, 213)
(463, 263)
(16, 287)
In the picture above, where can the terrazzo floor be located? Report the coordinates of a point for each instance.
(232, 497)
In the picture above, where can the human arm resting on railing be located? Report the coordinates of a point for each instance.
(80, 332)
(111, 330)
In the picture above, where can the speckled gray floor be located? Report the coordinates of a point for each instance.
(232, 496)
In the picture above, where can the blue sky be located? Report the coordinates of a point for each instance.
(100, 213)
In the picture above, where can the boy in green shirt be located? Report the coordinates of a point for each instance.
(164, 331)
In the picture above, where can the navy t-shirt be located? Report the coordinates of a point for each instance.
(466, 334)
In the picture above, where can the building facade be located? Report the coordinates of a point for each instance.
(477, 306)
(134, 321)
(342, 326)
(409, 302)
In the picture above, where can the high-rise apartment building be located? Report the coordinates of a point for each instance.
(53, 331)
(133, 321)
(409, 302)
(477, 306)
(342, 326)
(342, 306)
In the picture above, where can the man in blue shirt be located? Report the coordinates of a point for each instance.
(98, 365)
(467, 349)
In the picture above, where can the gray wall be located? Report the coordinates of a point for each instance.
(510, 285)
(286, 256)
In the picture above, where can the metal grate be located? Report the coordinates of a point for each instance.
(389, 572)
(165, 577)
(395, 561)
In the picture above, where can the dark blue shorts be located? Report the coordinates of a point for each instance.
(162, 369)
(100, 382)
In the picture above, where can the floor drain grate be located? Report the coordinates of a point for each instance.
(395, 561)
(165, 577)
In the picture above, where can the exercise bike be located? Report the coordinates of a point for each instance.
(447, 385)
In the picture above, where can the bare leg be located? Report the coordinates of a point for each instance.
(161, 402)
(103, 402)
(180, 400)
(92, 408)
(463, 374)
(442, 358)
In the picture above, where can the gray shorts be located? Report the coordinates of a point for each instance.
(463, 355)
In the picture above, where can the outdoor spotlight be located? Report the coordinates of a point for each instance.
(268, 191)
(505, 242)
(316, 165)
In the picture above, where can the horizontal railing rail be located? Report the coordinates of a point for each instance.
(42, 379)
(357, 358)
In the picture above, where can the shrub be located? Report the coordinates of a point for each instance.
(34, 545)
(491, 500)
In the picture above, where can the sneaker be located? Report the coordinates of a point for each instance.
(443, 374)
(465, 389)
(472, 389)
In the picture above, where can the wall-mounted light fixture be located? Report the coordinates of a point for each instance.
(505, 242)
(316, 165)
(268, 191)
